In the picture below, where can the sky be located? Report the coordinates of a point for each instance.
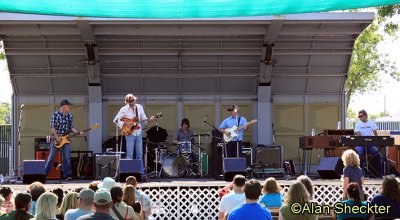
(373, 102)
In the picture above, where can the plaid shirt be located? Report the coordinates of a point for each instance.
(143, 199)
(7, 206)
(62, 123)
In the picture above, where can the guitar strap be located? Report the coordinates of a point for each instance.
(238, 123)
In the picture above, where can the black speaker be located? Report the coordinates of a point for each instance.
(34, 170)
(233, 166)
(130, 167)
(330, 168)
(217, 145)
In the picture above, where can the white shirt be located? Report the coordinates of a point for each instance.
(231, 201)
(366, 128)
(127, 112)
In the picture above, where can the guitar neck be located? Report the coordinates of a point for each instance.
(241, 127)
(84, 131)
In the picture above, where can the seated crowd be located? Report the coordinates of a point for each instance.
(101, 200)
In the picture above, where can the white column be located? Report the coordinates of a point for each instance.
(264, 113)
(95, 115)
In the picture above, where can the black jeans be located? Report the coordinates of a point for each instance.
(231, 148)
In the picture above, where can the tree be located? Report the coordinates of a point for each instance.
(366, 63)
(2, 55)
(388, 11)
(5, 113)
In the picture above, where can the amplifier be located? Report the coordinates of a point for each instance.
(43, 155)
(247, 152)
(106, 165)
(42, 143)
(269, 156)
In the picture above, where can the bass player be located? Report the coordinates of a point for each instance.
(123, 119)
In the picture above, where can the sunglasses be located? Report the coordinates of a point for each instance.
(230, 110)
(360, 116)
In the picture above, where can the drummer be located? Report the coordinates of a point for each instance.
(183, 134)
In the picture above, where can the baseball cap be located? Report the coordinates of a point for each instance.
(107, 183)
(86, 194)
(65, 102)
(102, 196)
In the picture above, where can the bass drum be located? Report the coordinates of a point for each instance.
(174, 165)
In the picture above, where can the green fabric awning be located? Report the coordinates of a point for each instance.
(181, 9)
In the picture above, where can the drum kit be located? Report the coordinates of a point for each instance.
(181, 162)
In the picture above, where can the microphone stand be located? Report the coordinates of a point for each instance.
(19, 145)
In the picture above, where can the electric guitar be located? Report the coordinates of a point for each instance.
(132, 124)
(65, 139)
(234, 131)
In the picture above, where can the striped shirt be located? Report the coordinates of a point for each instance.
(62, 123)
(144, 200)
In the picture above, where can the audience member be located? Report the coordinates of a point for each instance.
(297, 194)
(234, 199)
(60, 195)
(36, 189)
(308, 184)
(272, 194)
(85, 205)
(352, 172)
(94, 185)
(7, 205)
(389, 196)
(251, 209)
(130, 199)
(46, 207)
(1, 203)
(23, 202)
(354, 199)
(70, 201)
(120, 210)
(107, 183)
(102, 206)
(140, 196)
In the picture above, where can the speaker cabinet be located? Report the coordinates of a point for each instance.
(106, 165)
(233, 166)
(130, 167)
(34, 170)
(43, 154)
(269, 156)
(330, 168)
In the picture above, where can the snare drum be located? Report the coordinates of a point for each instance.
(184, 147)
(174, 165)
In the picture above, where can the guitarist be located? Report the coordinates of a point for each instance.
(234, 119)
(61, 124)
(134, 140)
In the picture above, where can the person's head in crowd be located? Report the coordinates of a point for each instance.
(103, 201)
(131, 180)
(116, 194)
(238, 183)
(36, 189)
(252, 190)
(60, 194)
(6, 192)
(297, 193)
(353, 192)
(86, 198)
(78, 190)
(270, 186)
(94, 185)
(350, 158)
(23, 202)
(391, 189)
(107, 183)
(129, 196)
(70, 201)
(46, 207)
(308, 184)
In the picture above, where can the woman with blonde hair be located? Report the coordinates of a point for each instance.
(297, 194)
(70, 201)
(120, 210)
(129, 198)
(272, 194)
(308, 184)
(46, 207)
(352, 172)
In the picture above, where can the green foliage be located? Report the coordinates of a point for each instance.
(351, 114)
(5, 113)
(2, 55)
(389, 11)
(367, 63)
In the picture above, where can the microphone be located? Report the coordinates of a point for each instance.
(204, 120)
(22, 106)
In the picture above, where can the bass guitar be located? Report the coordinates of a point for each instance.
(132, 124)
(234, 131)
(65, 139)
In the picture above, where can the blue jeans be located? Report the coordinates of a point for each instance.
(377, 158)
(134, 143)
(66, 159)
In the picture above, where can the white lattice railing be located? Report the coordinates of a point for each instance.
(202, 202)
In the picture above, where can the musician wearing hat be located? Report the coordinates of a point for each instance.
(61, 123)
(234, 146)
(129, 119)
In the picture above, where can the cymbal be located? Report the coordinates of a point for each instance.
(201, 134)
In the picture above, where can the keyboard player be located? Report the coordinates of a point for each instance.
(366, 127)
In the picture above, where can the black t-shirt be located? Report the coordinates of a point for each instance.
(137, 207)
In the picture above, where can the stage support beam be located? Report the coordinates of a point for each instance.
(264, 111)
(95, 115)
